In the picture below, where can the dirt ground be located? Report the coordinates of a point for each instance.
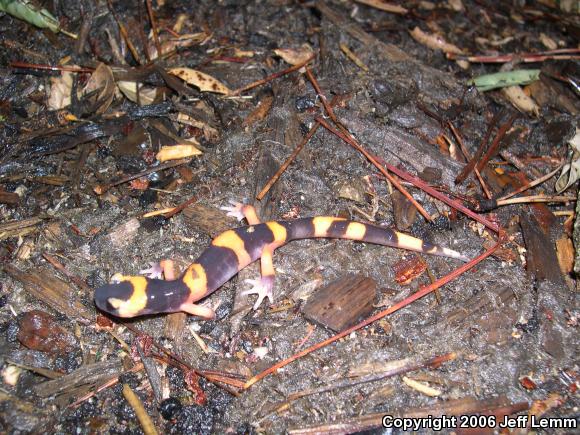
(80, 172)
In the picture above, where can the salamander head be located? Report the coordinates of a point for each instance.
(125, 297)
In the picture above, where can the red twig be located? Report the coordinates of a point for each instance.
(468, 157)
(469, 167)
(419, 294)
(496, 141)
(372, 159)
(69, 68)
(271, 77)
(560, 54)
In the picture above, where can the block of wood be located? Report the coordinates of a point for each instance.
(342, 303)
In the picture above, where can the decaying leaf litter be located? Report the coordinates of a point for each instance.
(119, 148)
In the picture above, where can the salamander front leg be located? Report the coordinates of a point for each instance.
(241, 211)
(198, 310)
(263, 287)
(162, 270)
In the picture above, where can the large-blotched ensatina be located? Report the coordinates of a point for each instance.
(230, 252)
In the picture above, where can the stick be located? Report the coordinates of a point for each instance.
(419, 294)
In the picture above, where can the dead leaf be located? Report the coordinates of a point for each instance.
(203, 81)
(60, 91)
(433, 41)
(295, 56)
(383, 6)
(520, 100)
(147, 95)
(174, 152)
(102, 79)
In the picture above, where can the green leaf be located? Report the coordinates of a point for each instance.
(25, 10)
(488, 82)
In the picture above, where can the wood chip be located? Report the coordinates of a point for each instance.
(175, 152)
(80, 381)
(408, 269)
(565, 252)
(541, 256)
(421, 387)
(208, 220)
(19, 228)
(57, 294)
(342, 303)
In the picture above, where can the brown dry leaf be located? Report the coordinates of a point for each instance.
(565, 253)
(182, 41)
(102, 79)
(421, 387)
(521, 100)
(174, 152)
(60, 91)
(435, 42)
(295, 56)
(204, 82)
(384, 6)
(147, 95)
(209, 133)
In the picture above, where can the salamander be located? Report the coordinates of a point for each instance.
(230, 252)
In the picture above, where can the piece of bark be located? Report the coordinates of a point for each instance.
(565, 251)
(350, 27)
(403, 148)
(45, 286)
(19, 228)
(175, 325)
(408, 269)
(9, 197)
(541, 255)
(404, 211)
(342, 303)
(80, 381)
(208, 220)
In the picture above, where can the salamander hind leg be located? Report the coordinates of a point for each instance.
(262, 287)
(241, 211)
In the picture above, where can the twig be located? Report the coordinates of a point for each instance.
(467, 155)
(419, 294)
(536, 198)
(102, 188)
(124, 33)
(287, 163)
(350, 140)
(327, 107)
(59, 266)
(154, 28)
(210, 376)
(560, 54)
(531, 184)
(270, 77)
(76, 69)
(496, 141)
(146, 422)
(469, 167)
